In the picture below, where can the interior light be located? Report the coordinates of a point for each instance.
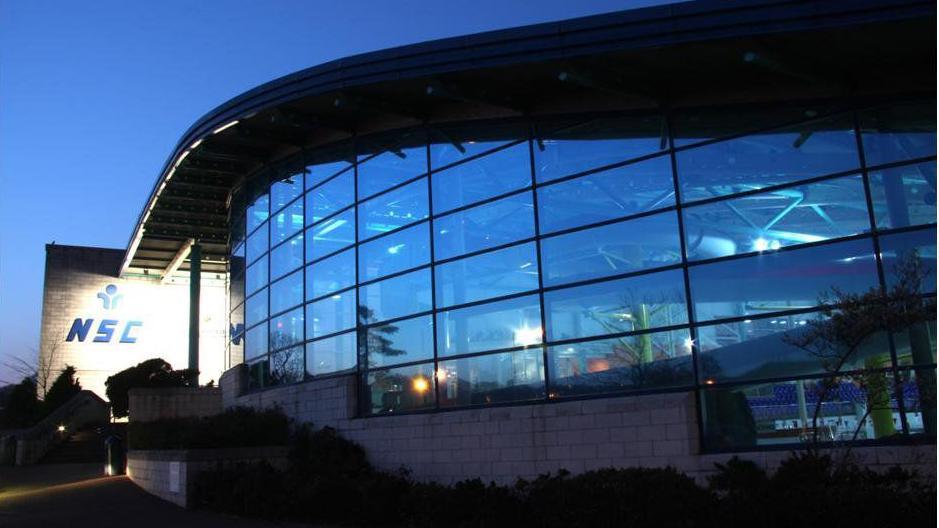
(181, 158)
(525, 265)
(395, 249)
(225, 127)
(420, 384)
(689, 343)
(195, 144)
(526, 336)
(747, 321)
(774, 245)
(336, 297)
(60, 428)
(761, 244)
(709, 382)
(332, 226)
(441, 375)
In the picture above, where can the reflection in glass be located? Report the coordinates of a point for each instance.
(400, 389)
(899, 132)
(317, 174)
(787, 280)
(904, 196)
(331, 274)
(782, 412)
(785, 217)
(394, 209)
(623, 247)
(405, 249)
(916, 344)
(330, 315)
(258, 212)
(503, 272)
(331, 355)
(287, 329)
(492, 326)
(256, 276)
(287, 256)
(626, 305)
(259, 374)
(287, 222)
(900, 249)
(330, 198)
(391, 168)
(398, 342)
(396, 297)
(256, 341)
(257, 243)
(497, 173)
(767, 158)
(919, 400)
(645, 361)
(330, 236)
(493, 378)
(492, 224)
(256, 308)
(607, 195)
(774, 347)
(287, 292)
(595, 143)
(283, 192)
(286, 366)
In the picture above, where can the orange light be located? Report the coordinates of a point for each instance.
(421, 385)
(709, 382)
(441, 376)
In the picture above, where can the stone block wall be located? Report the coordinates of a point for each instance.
(147, 405)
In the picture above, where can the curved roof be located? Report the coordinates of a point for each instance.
(672, 56)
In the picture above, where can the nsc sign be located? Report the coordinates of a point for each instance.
(106, 328)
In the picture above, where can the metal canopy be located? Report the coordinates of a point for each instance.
(675, 56)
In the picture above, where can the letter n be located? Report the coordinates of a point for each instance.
(80, 329)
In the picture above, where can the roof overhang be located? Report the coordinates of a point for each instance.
(673, 56)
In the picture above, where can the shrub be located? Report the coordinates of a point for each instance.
(150, 373)
(238, 427)
(62, 390)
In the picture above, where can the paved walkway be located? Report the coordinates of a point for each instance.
(76, 495)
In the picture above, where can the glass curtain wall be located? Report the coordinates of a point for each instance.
(518, 262)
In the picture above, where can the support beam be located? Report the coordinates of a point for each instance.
(178, 259)
(195, 290)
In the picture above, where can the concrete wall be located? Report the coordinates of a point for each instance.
(170, 473)
(505, 443)
(147, 405)
(73, 278)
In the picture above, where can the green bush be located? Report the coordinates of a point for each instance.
(150, 373)
(238, 427)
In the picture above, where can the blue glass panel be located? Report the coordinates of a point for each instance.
(256, 308)
(286, 366)
(502, 272)
(899, 132)
(236, 290)
(494, 378)
(330, 315)
(623, 247)
(285, 191)
(331, 274)
(904, 196)
(625, 305)
(259, 373)
(391, 168)
(331, 355)
(393, 209)
(786, 217)
(614, 193)
(287, 257)
(287, 329)
(406, 249)
(287, 222)
(317, 174)
(256, 341)
(902, 248)
(636, 362)
(257, 243)
(492, 326)
(400, 389)
(256, 276)
(597, 143)
(769, 348)
(258, 212)
(919, 397)
(492, 224)
(398, 342)
(491, 175)
(330, 236)
(287, 292)
(396, 297)
(768, 158)
(330, 198)
(447, 153)
(786, 280)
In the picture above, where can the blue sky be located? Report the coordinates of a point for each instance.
(94, 95)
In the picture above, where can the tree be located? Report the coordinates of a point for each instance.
(62, 389)
(150, 373)
(852, 320)
(23, 408)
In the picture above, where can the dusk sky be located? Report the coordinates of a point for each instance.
(94, 96)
